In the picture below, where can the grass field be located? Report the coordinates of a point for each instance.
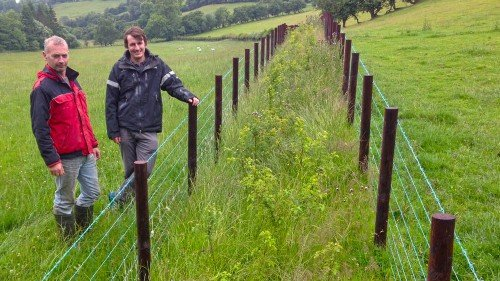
(27, 188)
(210, 9)
(439, 65)
(75, 9)
(436, 61)
(255, 215)
(259, 26)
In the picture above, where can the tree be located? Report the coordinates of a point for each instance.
(12, 36)
(209, 22)
(371, 6)
(275, 7)
(222, 16)
(6, 5)
(294, 6)
(170, 10)
(157, 26)
(240, 15)
(34, 30)
(194, 22)
(106, 33)
(341, 10)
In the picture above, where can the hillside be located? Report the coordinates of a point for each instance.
(210, 9)
(256, 27)
(437, 61)
(75, 9)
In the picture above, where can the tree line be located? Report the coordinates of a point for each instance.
(342, 10)
(24, 26)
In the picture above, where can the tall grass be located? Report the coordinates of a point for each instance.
(283, 200)
(28, 235)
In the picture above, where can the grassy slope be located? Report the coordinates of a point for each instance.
(259, 26)
(438, 62)
(210, 9)
(76, 9)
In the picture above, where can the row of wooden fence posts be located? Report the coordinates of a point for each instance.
(268, 45)
(442, 225)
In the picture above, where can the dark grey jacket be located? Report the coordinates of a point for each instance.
(133, 99)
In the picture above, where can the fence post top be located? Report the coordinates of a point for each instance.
(443, 217)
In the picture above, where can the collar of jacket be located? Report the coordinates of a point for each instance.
(49, 72)
(150, 62)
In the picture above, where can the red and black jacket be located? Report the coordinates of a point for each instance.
(59, 117)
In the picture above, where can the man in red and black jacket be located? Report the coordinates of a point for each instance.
(61, 125)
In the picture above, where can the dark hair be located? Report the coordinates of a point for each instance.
(135, 32)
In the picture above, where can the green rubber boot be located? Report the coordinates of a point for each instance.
(66, 224)
(84, 216)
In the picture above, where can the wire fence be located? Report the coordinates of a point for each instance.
(413, 200)
(110, 253)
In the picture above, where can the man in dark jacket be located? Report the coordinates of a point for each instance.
(134, 105)
(61, 125)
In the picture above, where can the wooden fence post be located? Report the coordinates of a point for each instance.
(247, 69)
(351, 88)
(235, 84)
(337, 35)
(192, 147)
(262, 51)
(366, 113)
(272, 43)
(218, 114)
(342, 43)
(255, 60)
(441, 248)
(385, 174)
(268, 47)
(347, 61)
(142, 218)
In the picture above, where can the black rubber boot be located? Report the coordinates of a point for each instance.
(84, 216)
(66, 224)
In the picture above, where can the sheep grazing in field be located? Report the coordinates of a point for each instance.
(213, 49)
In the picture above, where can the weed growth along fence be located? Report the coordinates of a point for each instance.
(414, 226)
(404, 226)
(111, 255)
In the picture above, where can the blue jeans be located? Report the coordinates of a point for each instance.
(83, 169)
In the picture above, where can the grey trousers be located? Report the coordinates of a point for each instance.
(136, 146)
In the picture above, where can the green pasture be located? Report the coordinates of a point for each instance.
(28, 235)
(438, 63)
(75, 9)
(210, 9)
(281, 203)
(285, 201)
(259, 26)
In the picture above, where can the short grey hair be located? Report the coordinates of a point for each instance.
(54, 40)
